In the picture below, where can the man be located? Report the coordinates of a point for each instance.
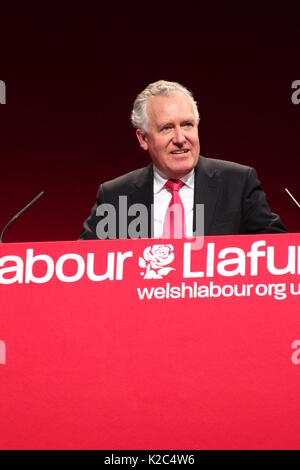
(178, 180)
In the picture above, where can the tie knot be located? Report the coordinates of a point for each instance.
(174, 185)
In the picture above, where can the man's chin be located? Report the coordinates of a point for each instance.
(179, 171)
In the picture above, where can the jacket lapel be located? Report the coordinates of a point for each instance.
(143, 193)
(206, 192)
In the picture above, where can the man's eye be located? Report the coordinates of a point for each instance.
(166, 128)
(188, 124)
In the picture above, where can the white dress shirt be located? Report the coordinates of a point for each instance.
(162, 199)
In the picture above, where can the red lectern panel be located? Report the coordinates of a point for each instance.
(143, 344)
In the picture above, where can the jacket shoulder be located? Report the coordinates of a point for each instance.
(127, 183)
(218, 167)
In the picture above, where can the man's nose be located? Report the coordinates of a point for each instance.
(178, 137)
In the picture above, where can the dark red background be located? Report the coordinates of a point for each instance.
(73, 69)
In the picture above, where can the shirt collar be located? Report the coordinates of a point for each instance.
(160, 180)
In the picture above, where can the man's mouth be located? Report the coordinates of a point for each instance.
(180, 152)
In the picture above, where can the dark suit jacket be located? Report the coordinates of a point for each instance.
(234, 201)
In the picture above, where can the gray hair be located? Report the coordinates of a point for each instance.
(139, 117)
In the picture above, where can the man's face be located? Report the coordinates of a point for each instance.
(172, 136)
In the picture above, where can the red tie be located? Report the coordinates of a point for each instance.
(174, 224)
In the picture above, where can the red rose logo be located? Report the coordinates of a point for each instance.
(155, 259)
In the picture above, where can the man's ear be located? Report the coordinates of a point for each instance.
(142, 139)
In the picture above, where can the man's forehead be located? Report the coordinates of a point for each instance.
(172, 106)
